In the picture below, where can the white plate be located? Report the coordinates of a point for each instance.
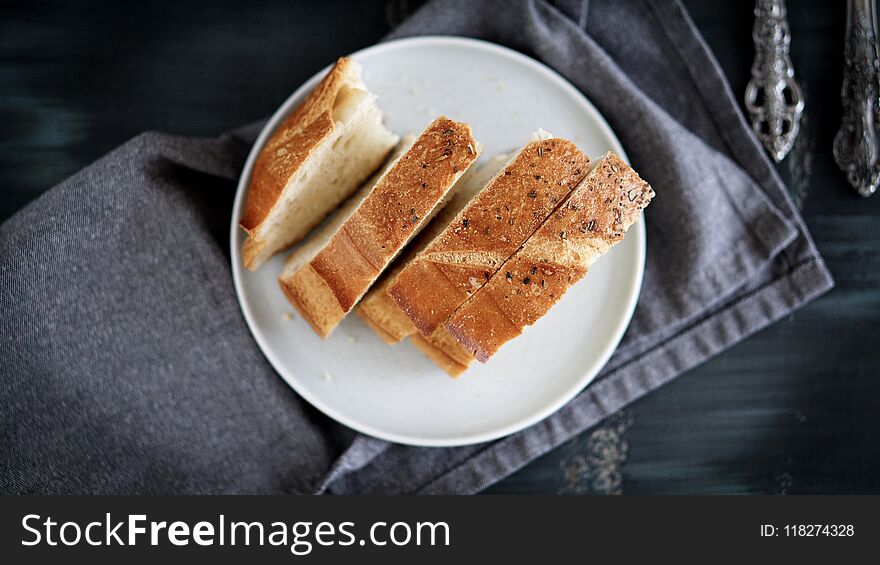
(395, 393)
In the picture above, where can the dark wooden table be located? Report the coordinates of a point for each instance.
(794, 409)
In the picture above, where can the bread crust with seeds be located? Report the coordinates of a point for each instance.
(494, 224)
(594, 217)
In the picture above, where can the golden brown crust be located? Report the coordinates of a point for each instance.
(377, 308)
(274, 167)
(439, 356)
(446, 342)
(301, 291)
(290, 145)
(398, 205)
(375, 324)
(383, 315)
(595, 217)
(495, 223)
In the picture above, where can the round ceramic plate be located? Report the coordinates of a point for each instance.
(394, 392)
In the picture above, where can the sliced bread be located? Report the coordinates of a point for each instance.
(377, 309)
(325, 277)
(444, 350)
(316, 158)
(482, 236)
(583, 228)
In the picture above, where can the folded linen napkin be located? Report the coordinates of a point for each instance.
(127, 366)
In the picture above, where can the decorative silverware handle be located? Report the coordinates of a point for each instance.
(856, 143)
(773, 99)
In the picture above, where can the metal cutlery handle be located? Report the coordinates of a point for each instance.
(856, 144)
(773, 99)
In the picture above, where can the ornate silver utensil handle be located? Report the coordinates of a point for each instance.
(856, 144)
(773, 99)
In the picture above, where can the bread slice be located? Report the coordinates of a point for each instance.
(482, 236)
(325, 232)
(325, 278)
(592, 219)
(315, 241)
(317, 157)
(444, 350)
(378, 310)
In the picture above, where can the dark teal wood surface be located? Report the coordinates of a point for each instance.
(793, 409)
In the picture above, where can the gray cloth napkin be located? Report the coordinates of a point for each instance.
(127, 366)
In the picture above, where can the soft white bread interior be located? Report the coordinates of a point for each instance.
(316, 158)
